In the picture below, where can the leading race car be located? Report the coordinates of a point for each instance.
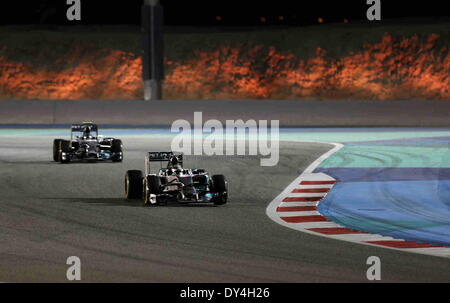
(174, 182)
(86, 144)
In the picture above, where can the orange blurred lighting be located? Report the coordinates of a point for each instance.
(413, 67)
(345, 20)
(320, 20)
(219, 18)
(281, 18)
(263, 19)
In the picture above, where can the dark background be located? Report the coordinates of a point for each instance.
(217, 12)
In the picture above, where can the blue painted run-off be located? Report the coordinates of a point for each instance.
(410, 203)
(411, 210)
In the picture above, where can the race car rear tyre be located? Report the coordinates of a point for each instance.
(152, 186)
(220, 186)
(56, 149)
(117, 150)
(64, 147)
(133, 184)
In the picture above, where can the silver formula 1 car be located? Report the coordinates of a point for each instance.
(86, 144)
(174, 182)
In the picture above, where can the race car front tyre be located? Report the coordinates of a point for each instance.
(117, 150)
(56, 149)
(133, 184)
(152, 186)
(64, 151)
(220, 187)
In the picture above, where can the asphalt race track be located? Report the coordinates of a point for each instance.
(50, 211)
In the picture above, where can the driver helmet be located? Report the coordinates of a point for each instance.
(87, 132)
(175, 163)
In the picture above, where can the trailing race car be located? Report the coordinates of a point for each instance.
(174, 182)
(87, 146)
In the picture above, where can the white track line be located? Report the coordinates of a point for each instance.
(294, 208)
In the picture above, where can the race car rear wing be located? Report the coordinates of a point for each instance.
(161, 157)
(80, 127)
